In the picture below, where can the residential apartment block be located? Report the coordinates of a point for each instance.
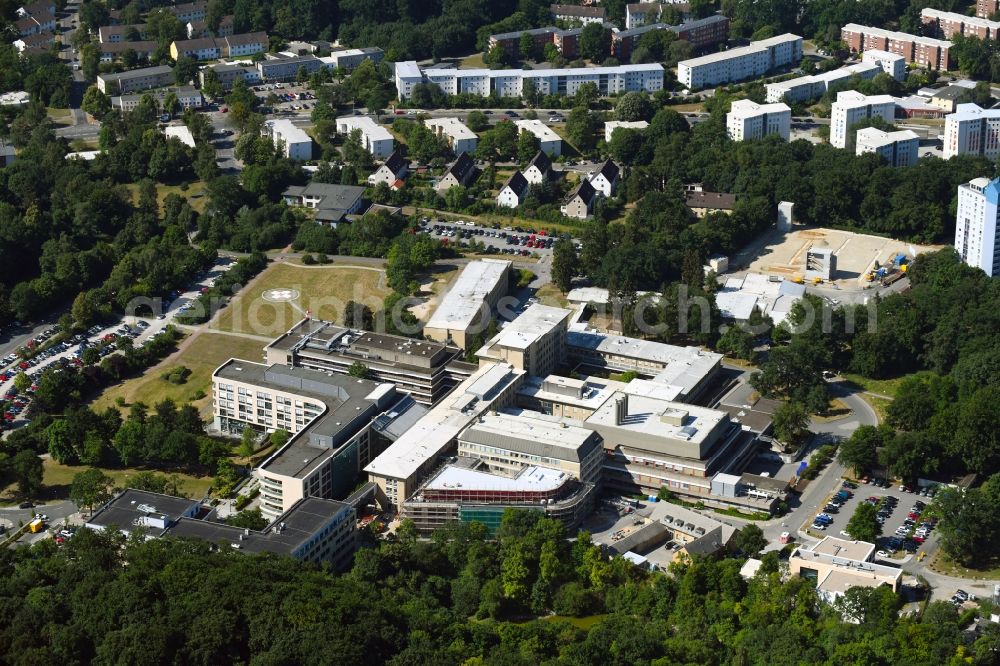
(392, 172)
(927, 52)
(740, 63)
(987, 8)
(510, 82)
(135, 79)
(35, 18)
(294, 142)
(892, 64)
(107, 34)
(374, 138)
(189, 11)
(211, 48)
(977, 235)
(279, 67)
(700, 33)
(577, 13)
(611, 125)
(898, 148)
(425, 370)
(749, 120)
(579, 203)
(972, 130)
(459, 137)
(112, 51)
(197, 29)
(949, 24)
(312, 530)
(327, 415)
(227, 75)
(604, 179)
(565, 41)
(469, 305)
(851, 108)
(189, 97)
(549, 142)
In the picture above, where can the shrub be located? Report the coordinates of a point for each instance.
(308, 259)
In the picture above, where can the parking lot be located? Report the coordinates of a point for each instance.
(291, 98)
(508, 240)
(904, 530)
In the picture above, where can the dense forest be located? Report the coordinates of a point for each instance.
(454, 599)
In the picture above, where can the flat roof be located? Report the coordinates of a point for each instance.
(685, 367)
(180, 132)
(433, 433)
(746, 108)
(753, 47)
(137, 73)
(839, 581)
(408, 69)
(347, 402)
(644, 416)
(628, 124)
(541, 73)
(368, 127)
(896, 36)
(536, 322)
(849, 550)
(562, 437)
(289, 132)
(586, 392)
(535, 479)
(131, 506)
(453, 127)
(463, 302)
(283, 536)
(873, 136)
(541, 131)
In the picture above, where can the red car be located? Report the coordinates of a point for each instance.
(23, 365)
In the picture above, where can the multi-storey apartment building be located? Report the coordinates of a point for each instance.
(899, 149)
(949, 24)
(135, 79)
(459, 137)
(927, 52)
(851, 108)
(701, 34)
(510, 82)
(374, 138)
(972, 130)
(749, 120)
(740, 63)
(976, 231)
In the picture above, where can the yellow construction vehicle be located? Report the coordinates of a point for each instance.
(817, 280)
(797, 279)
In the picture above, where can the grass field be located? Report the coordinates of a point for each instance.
(57, 479)
(882, 386)
(324, 290)
(474, 61)
(549, 294)
(60, 116)
(195, 194)
(202, 355)
(943, 564)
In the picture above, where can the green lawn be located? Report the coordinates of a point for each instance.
(321, 290)
(942, 564)
(474, 61)
(195, 194)
(57, 478)
(202, 355)
(882, 386)
(549, 294)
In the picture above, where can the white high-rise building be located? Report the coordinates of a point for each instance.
(898, 148)
(972, 130)
(976, 225)
(851, 108)
(744, 62)
(749, 120)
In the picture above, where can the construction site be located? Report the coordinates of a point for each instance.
(842, 259)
